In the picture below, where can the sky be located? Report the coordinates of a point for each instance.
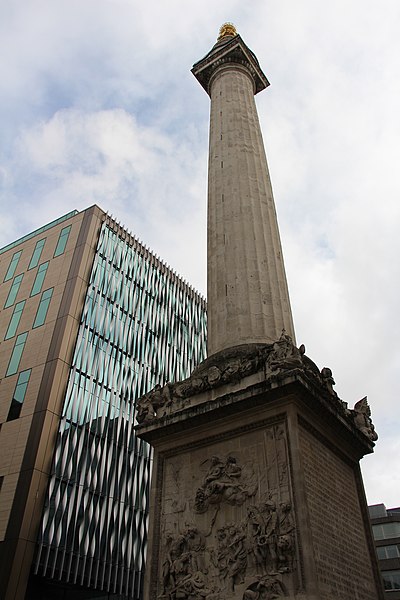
(98, 105)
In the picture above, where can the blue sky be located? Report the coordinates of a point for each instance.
(98, 105)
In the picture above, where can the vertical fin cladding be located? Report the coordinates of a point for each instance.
(132, 336)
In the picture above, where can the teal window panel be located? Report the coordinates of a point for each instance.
(37, 254)
(19, 395)
(13, 265)
(40, 275)
(15, 319)
(12, 294)
(16, 354)
(62, 241)
(43, 308)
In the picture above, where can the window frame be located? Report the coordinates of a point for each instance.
(39, 279)
(384, 549)
(13, 291)
(391, 576)
(62, 241)
(386, 531)
(43, 308)
(19, 395)
(16, 354)
(16, 316)
(12, 267)
(37, 252)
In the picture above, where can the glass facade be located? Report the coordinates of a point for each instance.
(43, 308)
(62, 241)
(140, 326)
(37, 254)
(12, 294)
(13, 265)
(40, 275)
(14, 321)
(19, 395)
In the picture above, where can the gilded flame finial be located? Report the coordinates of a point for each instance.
(227, 30)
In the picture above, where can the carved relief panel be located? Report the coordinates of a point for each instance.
(227, 528)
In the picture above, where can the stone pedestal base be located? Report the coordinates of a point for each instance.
(257, 492)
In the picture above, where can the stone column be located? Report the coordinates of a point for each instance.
(256, 491)
(247, 294)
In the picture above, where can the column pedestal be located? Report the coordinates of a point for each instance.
(257, 491)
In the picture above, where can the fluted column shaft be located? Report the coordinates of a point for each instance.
(248, 298)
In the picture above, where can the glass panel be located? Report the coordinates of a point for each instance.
(13, 265)
(12, 294)
(386, 531)
(62, 241)
(14, 321)
(37, 253)
(19, 395)
(391, 580)
(43, 308)
(40, 275)
(384, 552)
(392, 551)
(16, 354)
(380, 551)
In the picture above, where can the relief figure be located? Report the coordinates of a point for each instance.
(224, 482)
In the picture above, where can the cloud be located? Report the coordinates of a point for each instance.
(144, 177)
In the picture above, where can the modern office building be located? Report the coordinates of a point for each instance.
(386, 530)
(90, 320)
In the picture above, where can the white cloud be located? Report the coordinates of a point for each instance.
(148, 180)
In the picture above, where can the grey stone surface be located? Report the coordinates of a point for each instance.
(249, 481)
(247, 293)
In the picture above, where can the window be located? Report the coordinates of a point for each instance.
(19, 395)
(1, 482)
(43, 308)
(13, 265)
(12, 294)
(386, 531)
(62, 241)
(14, 321)
(391, 580)
(16, 354)
(388, 551)
(36, 254)
(40, 275)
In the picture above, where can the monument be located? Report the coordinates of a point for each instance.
(257, 492)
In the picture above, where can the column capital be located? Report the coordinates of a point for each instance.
(229, 50)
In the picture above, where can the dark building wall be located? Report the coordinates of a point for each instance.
(386, 532)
